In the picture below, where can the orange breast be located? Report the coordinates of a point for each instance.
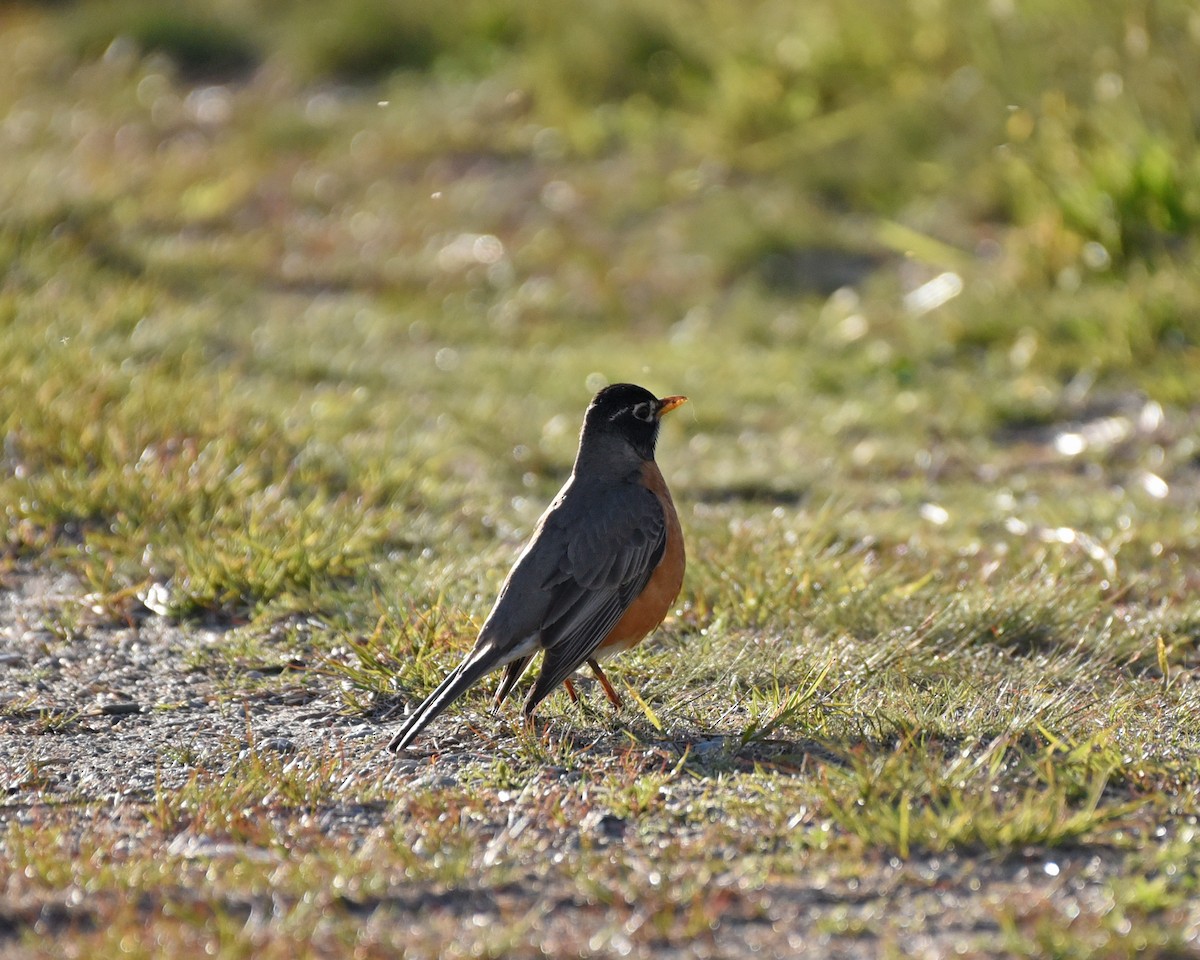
(649, 609)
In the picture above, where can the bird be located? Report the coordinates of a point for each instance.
(602, 568)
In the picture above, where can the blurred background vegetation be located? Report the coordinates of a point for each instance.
(348, 257)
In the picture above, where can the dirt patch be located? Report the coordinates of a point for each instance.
(92, 710)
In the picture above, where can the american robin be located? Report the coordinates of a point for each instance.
(604, 564)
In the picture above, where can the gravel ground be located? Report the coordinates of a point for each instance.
(91, 715)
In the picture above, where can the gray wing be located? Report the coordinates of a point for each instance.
(607, 563)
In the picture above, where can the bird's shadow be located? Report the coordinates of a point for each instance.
(593, 733)
(601, 735)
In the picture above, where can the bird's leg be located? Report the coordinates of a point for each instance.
(608, 687)
(571, 691)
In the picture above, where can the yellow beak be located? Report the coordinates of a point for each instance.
(667, 404)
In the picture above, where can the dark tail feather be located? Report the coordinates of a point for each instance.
(555, 669)
(512, 673)
(461, 678)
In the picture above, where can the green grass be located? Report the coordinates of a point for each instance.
(300, 306)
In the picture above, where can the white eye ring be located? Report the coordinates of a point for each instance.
(643, 412)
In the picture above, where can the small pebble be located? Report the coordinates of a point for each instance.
(434, 781)
(119, 709)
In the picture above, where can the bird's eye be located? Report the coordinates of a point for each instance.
(643, 412)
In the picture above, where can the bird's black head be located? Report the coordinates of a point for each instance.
(630, 412)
